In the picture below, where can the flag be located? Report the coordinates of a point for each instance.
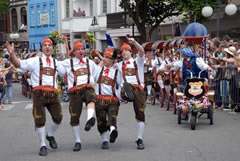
(109, 40)
(86, 44)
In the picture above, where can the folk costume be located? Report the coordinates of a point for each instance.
(80, 74)
(108, 94)
(43, 77)
(192, 63)
(166, 76)
(132, 88)
(148, 76)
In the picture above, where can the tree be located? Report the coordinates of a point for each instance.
(3, 6)
(192, 10)
(145, 13)
(153, 12)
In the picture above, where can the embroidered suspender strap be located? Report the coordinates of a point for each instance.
(54, 73)
(41, 69)
(158, 62)
(88, 72)
(136, 72)
(115, 83)
(73, 71)
(71, 62)
(123, 72)
(99, 81)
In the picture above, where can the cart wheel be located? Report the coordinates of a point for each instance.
(210, 114)
(193, 122)
(153, 96)
(179, 111)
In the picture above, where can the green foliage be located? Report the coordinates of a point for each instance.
(192, 9)
(153, 12)
(3, 6)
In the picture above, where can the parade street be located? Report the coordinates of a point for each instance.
(164, 139)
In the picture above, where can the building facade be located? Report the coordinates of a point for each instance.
(75, 24)
(18, 22)
(43, 19)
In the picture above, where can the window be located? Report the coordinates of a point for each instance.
(39, 14)
(52, 14)
(32, 16)
(23, 16)
(45, 8)
(67, 9)
(14, 20)
(91, 7)
(104, 6)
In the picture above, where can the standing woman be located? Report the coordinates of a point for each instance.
(2, 84)
(9, 83)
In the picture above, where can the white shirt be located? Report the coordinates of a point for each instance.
(164, 63)
(106, 89)
(156, 63)
(146, 68)
(199, 61)
(140, 64)
(33, 65)
(65, 68)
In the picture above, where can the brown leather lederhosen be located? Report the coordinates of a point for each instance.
(139, 95)
(108, 81)
(79, 94)
(46, 96)
(107, 106)
(166, 77)
(148, 77)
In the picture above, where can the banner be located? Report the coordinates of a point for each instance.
(44, 18)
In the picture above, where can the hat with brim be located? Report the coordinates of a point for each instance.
(231, 50)
(110, 53)
(187, 52)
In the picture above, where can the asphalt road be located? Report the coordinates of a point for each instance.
(164, 139)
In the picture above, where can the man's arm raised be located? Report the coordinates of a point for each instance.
(10, 49)
(137, 45)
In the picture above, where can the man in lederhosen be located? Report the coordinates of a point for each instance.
(133, 84)
(156, 64)
(80, 71)
(43, 77)
(148, 73)
(166, 76)
(107, 105)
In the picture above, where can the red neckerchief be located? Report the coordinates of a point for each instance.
(106, 71)
(48, 61)
(81, 61)
(186, 63)
(124, 67)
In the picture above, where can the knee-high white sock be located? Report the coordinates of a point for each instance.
(90, 113)
(140, 128)
(104, 136)
(76, 132)
(112, 128)
(160, 83)
(53, 129)
(42, 135)
(149, 88)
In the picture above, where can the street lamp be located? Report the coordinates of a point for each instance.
(130, 22)
(207, 11)
(94, 27)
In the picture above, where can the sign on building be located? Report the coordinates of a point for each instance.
(44, 18)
